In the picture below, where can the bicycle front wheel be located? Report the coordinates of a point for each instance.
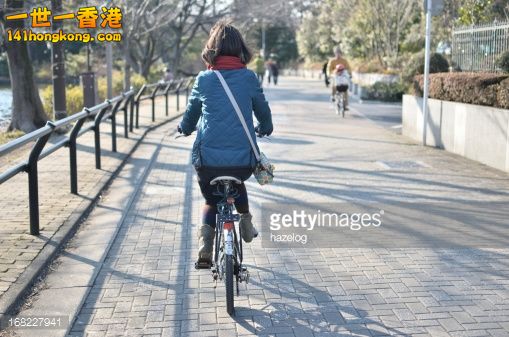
(228, 281)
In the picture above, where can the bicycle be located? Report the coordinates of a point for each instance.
(228, 253)
(339, 98)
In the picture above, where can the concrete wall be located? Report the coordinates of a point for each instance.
(476, 132)
(368, 79)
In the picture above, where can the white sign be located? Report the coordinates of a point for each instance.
(437, 6)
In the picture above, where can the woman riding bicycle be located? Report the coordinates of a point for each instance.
(221, 146)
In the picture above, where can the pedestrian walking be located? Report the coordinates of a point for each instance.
(325, 76)
(274, 71)
(259, 67)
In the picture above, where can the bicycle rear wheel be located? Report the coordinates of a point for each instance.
(228, 281)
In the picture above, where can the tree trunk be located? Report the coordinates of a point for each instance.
(58, 65)
(27, 110)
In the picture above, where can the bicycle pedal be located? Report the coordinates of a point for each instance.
(244, 275)
(202, 265)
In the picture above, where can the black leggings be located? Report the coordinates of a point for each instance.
(205, 176)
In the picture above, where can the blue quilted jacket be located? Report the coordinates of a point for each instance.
(221, 142)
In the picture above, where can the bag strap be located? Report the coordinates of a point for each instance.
(239, 113)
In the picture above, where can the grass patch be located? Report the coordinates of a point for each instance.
(6, 137)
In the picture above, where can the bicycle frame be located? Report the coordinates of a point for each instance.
(340, 103)
(226, 234)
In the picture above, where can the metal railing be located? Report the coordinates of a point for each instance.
(101, 112)
(478, 48)
(161, 89)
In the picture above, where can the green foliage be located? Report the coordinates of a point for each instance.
(73, 96)
(156, 72)
(75, 64)
(43, 73)
(365, 29)
(137, 81)
(473, 88)
(320, 31)
(503, 62)
(118, 85)
(47, 99)
(6, 137)
(74, 93)
(74, 99)
(368, 66)
(384, 91)
(279, 39)
(475, 11)
(415, 66)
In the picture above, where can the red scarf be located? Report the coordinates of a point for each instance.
(227, 63)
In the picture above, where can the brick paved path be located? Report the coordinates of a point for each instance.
(57, 205)
(147, 285)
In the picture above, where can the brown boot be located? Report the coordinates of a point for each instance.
(246, 226)
(206, 243)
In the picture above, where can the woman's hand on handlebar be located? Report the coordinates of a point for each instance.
(260, 134)
(180, 132)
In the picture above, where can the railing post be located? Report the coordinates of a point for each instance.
(97, 136)
(114, 126)
(137, 102)
(153, 99)
(33, 185)
(131, 114)
(166, 108)
(126, 123)
(72, 152)
(166, 103)
(137, 114)
(127, 107)
(187, 92)
(178, 99)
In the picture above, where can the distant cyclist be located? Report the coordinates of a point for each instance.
(341, 81)
(221, 146)
(338, 59)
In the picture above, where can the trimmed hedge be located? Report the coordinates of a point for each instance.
(503, 62)
(472, 88)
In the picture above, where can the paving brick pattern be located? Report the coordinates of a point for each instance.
(17, 247)
(148, 286)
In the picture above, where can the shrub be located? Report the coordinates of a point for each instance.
(74, 99)
(118, 85)
(370, 66)
(503, 62)
(437, 64)
(137, 81)
(7, 136)
(472, 88)
(384, 91)
(47, 99)
(415, 66)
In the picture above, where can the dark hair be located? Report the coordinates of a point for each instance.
(225, 40)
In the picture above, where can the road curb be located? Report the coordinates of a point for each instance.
(13, 298)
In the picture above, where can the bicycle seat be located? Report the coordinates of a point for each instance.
(224, 179)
